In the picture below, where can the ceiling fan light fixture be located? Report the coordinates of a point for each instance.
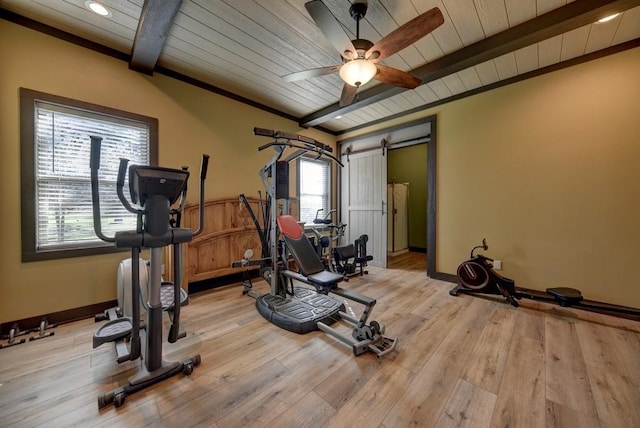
(358, 72)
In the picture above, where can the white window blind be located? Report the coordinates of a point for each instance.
(315, 185)
(64, 212)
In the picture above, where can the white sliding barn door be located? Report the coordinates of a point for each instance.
(364, 202)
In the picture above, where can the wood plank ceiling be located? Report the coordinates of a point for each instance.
(244, 47)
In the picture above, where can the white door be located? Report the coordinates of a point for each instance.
(364, 202)
(398, 217)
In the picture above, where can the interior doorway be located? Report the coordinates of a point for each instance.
(417, 135)
(407, 199)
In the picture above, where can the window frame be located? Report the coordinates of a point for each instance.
(329, 165)
(28, 98)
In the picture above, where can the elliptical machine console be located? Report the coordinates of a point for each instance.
(154, 190)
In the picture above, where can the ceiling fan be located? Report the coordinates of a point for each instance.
(361, 57)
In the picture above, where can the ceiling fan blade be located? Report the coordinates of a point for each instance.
(406, 35)
(308, 74)
(348, 94)
(331, 28)
(396, 77)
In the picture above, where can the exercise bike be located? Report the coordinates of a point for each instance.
(477, 276)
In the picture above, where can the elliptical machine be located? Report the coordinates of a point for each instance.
(477, 276)
(154, 190)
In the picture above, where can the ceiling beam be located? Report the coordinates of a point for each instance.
(155, 22)
(566, 18)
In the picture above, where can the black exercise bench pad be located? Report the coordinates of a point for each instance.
(301, 312)
(325, 280)
(306, 258)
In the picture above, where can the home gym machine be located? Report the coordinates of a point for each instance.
(477, 276)
(303, 309)
(154, 190)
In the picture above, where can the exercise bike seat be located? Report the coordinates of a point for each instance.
(322, 221)
(565, 296)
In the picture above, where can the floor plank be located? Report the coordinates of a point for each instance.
(559, 416)
(469, 406)
(460, 361)
(486, 368)
(617, 399)
(521, 397)
(566, 373)
(423, 399)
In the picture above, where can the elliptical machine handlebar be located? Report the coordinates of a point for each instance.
(174, 329)
(122, 172)
(203, 175)
(94, 162)
(203, 167)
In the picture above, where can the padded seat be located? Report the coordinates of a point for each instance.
(306, 258)
(565, 296)
(325, 279)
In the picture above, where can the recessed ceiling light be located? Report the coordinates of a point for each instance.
(338, 117)
(608, 18)
(97, 8)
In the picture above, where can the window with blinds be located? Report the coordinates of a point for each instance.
(314, 188)
(62, 212)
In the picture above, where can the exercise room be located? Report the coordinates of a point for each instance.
(320, 213)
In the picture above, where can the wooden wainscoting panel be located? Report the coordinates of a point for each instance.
(228, 232)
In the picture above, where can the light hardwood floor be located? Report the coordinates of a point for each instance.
(464, 361)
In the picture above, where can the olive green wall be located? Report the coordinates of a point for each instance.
(192, 122)
(547, 170)
(409, 165)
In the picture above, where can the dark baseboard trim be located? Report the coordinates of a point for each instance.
(89, 311)
(210, 284)
(445, 277)
(418, 250)
(61, 317)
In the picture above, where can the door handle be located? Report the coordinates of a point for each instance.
(382, 207)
